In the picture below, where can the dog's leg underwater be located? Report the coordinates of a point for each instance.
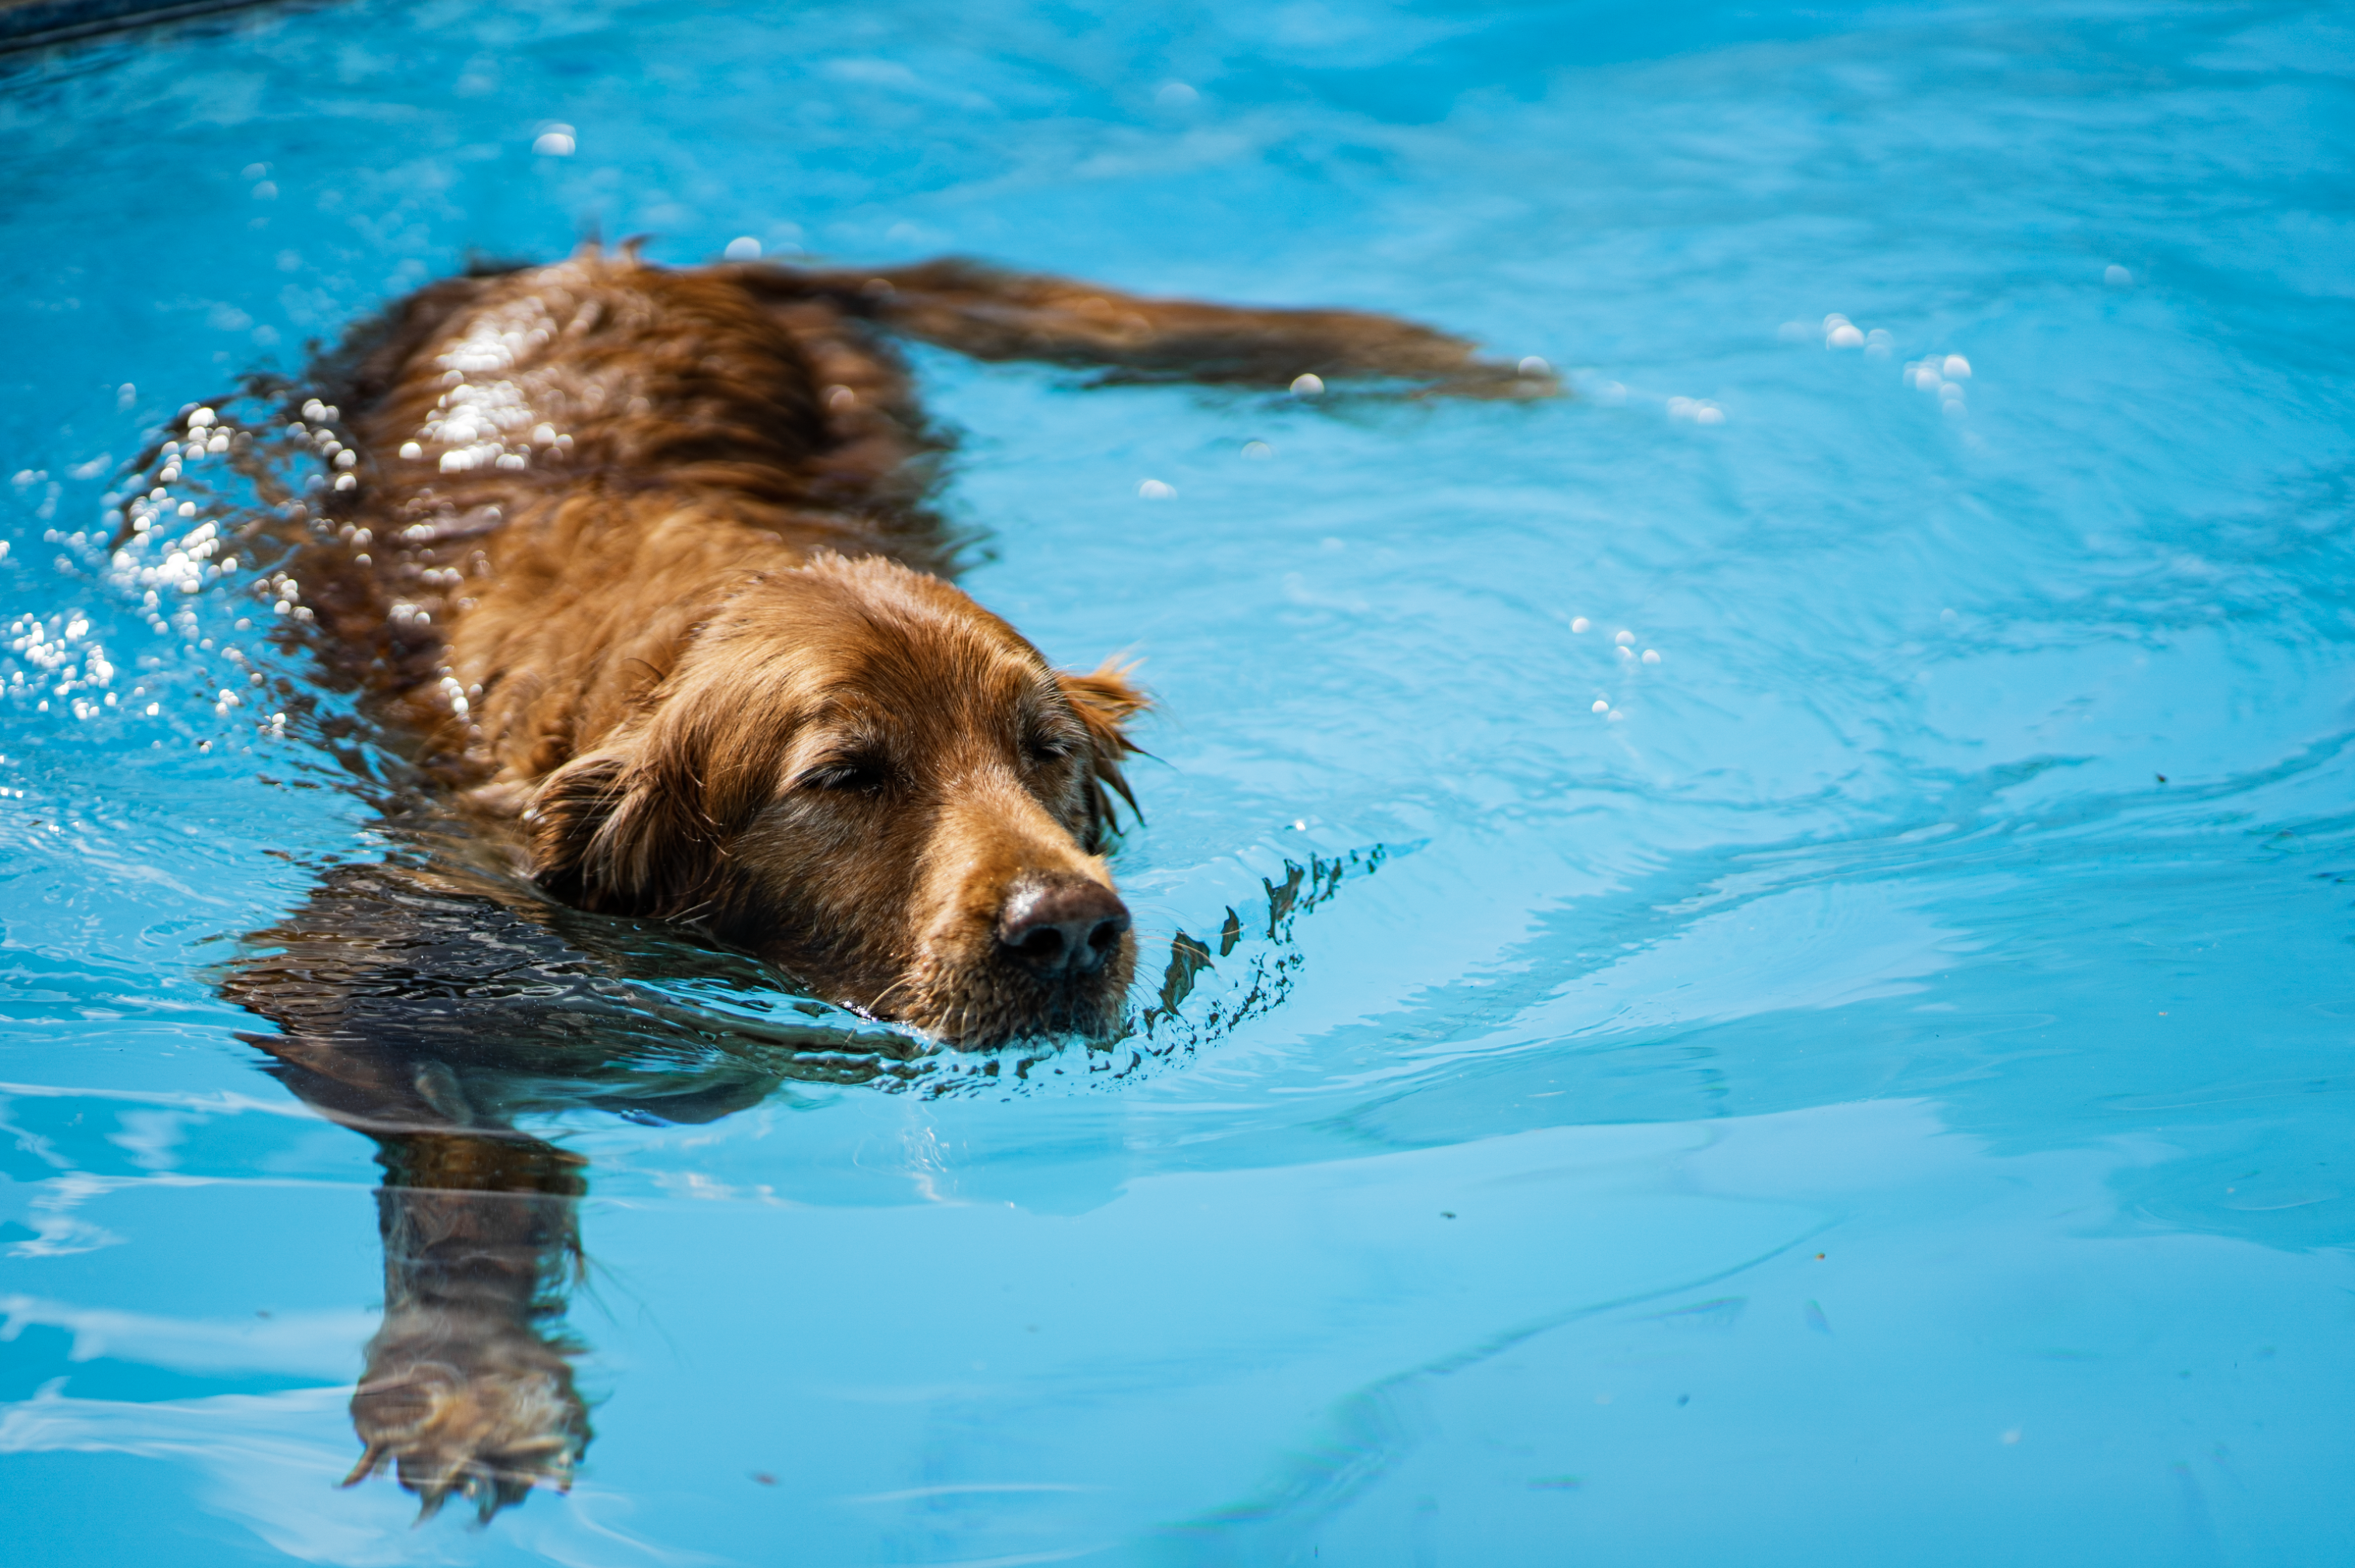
(468, 1387)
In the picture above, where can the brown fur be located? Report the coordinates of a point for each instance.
(642, 555)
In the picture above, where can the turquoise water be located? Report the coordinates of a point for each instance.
(1870, 1086)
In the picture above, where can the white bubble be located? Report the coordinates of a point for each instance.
(265, 191)
(1614, 717)
(199, 418)
(1535, 368)
(1623, 638)
(1957, 367)
(1949, 391)
(553, 144)
(412, 451)
(153, 709)
(1834, 321)
(254, 172)
(743, 248)
(1625, 653)
(1155, 490)
(1708, 413)
(1258, 451)
(1581, 623)
(1879, 343)
(1177, 95)
(1308, 386)
(1602, 705)
(1651, 656)
(1844, 336)
(2117, 277)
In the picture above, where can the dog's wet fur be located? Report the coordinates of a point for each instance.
(643, 554)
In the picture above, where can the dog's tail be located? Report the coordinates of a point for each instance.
(992, 315)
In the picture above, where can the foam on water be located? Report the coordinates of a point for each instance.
(1769, 974)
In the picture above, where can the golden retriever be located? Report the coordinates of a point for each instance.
(636, 562)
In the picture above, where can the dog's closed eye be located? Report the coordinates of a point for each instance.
(858, 774)
(1045, 746)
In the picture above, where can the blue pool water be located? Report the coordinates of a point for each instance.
(1872, 1086)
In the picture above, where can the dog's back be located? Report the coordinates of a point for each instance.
(558, 469)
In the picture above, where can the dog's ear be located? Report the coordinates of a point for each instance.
(605, 835)
(1104, 700)
(564, 821)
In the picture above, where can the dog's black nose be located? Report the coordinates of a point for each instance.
(1062, 927)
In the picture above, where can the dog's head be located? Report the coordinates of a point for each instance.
(856, 771)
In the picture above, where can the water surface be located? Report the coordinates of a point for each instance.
(1869, 1085)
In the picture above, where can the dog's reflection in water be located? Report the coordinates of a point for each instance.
(432, 1010)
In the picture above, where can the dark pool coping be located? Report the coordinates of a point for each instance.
(33, 23)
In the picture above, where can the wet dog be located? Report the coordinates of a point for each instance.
(634, 565)
(642, 555)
